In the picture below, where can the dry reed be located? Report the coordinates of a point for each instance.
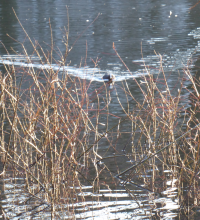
(51, 137)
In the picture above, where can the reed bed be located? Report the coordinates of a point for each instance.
(53, 129)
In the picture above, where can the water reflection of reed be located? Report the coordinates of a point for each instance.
(68, 153)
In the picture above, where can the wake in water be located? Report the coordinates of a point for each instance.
(93, 74)
(176, 60)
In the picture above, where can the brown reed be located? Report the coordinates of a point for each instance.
(52, 135)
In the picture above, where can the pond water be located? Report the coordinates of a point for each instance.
(140, 31)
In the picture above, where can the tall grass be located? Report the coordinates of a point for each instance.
(53, 126)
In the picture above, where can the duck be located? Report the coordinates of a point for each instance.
(109, 77)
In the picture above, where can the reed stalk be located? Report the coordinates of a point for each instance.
(54, 127)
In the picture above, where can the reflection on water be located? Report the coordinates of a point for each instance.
(106, 204)
(16, 204)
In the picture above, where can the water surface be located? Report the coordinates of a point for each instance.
(140, 30)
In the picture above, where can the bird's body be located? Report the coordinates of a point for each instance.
(109, 77)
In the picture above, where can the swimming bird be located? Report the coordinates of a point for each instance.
(109, 77)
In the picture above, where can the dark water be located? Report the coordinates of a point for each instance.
(166, 27)
(128, 24)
